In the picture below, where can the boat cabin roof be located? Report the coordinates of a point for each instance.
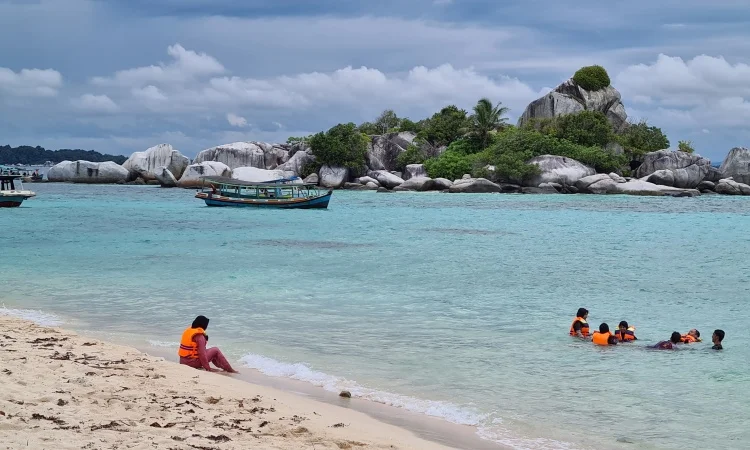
(225, 181)
(7, 177)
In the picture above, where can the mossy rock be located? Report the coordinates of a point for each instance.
(592, 78)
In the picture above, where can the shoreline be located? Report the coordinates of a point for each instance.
(366, 421)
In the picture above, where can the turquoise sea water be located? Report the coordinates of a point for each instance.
(456, 306)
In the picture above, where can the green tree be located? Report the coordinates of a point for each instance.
(587, 128)
(342, 145)
(450, 164)
(408, 125)
(386, 121)
(487, 118)
(686, 146)
(368, 128)
(592, 78)
(412, 155)
(641, 138)
(445, 126)
(296, 139)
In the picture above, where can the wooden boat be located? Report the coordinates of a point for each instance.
(12, 193)
(283, 193)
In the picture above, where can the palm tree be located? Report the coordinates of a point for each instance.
(487, 118)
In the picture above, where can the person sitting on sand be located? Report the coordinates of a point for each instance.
(603, 336)
(580, 327)
(691, 337)
(676, 338)
(193, 351)
(625, 333)
(717, 337)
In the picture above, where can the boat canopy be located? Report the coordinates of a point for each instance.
(226, 181)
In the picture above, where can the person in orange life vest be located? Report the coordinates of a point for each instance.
(691, 337)
(603, 336)
(193, 351)
(580, 327)
(625, 333)
(717, 337)
(675, 339)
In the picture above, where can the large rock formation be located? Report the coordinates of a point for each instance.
(165, 177)
(88, 172)
(474, 186)
(255, 175)
(569, 98)
(145, 164)
(737, 165)
(558, 169)
(417, 184)
(728, 186)
(191, 177)
(678, 169)
(333, 177)
(247, 154)
(413, 171)
(382, 151)
(297, 162)
(614, 184)
(385, 178)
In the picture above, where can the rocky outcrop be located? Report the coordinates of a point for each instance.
(191, 178)
(677, 169)
(88, 172)
(569, 98)
(313, 178)
(729, 186)
(297, 162)
(255, 175)
(607, 184)
(420, 184)
(737, 165)
(442, 183)
(413, 171)
(714, 175)
(558, 169)
(385, 178)
(333, 177)
(365, 180)
(383, 151)
(474, 186)
(165, 177)
(706, 186)
(260, 155)
(145, 164)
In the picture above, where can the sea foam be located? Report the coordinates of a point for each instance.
(300, 371)
(38, 317)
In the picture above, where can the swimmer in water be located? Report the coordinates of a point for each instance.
(691, 337)
(717, 337)
(676, 338)
(625, 333)
(579, 327)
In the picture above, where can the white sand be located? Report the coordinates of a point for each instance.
(64, 391)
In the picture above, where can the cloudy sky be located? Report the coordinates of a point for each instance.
(119, 76)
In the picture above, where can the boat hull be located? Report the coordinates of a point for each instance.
(11, 202)
(320, 202)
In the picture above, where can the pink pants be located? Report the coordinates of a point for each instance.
(213, 355)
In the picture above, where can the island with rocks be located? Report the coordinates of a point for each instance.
(575, 139)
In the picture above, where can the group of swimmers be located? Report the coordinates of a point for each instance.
(626, 333)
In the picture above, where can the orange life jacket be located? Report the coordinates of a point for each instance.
(688, 339)
(601, 338)
(188, 347)
(584, 327)
(627, 335)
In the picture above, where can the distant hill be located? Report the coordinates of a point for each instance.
(39, 155)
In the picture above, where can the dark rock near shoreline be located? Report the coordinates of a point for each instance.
(737, 165)
(677, 169)
(475, 186)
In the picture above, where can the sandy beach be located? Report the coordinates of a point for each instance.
(65, 391)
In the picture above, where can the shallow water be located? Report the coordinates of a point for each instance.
(456, 306)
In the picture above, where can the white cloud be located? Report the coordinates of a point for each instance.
(95, 103)
(705, 131)
(185, 65)
(30, 82)
(704, 90)
(418, 92)
(236, 121)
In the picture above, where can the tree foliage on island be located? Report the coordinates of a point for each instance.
(686, 146)
(587, 128)
(445, 126)
(343, 145)
(38, 155)
(641, 138)
(486, 119)
(592, 78)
